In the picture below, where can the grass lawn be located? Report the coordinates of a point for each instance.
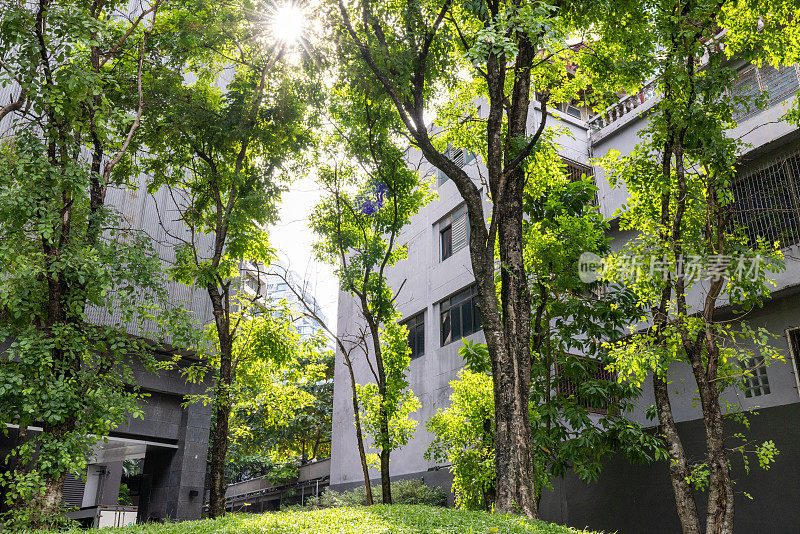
(395, 519)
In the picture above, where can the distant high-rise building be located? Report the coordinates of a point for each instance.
(281, 284)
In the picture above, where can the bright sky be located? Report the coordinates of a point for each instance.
(292, 237)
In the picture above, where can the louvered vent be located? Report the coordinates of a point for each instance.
(73, 491)
(746, 88)
(779, 83)
(459, 231)
(457, 155)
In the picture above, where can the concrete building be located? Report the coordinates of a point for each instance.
(169, 444)
(627, 498)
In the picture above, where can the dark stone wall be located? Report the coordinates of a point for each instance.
(174, 479)
(635, 498)
(632, 499)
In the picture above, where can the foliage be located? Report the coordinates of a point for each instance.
(371, 196)
(398, 402)
(282, 415)
(400, 519)
(464, 438)
(77, 282)
(578, 414)
(231, 115)
(572, 427)
(406, 491)
(689, 256)
(493, 61)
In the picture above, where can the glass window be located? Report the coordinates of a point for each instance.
(756, 382)
(446, 238)
(416, 334)
(460, 315)
(453, 232)
(766, 202)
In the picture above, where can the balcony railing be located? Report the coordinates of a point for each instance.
(623, 107)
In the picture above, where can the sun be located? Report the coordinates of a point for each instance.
(288, 23)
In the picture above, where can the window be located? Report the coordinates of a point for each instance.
(780, 83)
(460, 315)
(569, 108)
(459, 156)
(766, 202)
(253, 284)
(794, 350)
(416, 334)
(756, 382)
(576, 170)
(568, 382)
(453, 232)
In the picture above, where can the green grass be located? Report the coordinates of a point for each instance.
(378, 519)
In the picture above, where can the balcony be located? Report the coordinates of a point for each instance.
(625, 106)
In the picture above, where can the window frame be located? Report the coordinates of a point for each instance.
(445, 224)
(757, 384)
(753, 197)
(794, 354)
(446, 251)
(415, 323)
(463, 296)
(752, 109)
(611, 408)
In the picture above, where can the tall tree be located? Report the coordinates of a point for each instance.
(348, 345)
(371, 198)
(515, 53)
(681, 203)
(578, 410)
(76, 73)
(217, 144)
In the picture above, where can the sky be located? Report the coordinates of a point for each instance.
(292, 238)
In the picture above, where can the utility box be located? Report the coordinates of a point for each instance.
(105, 516)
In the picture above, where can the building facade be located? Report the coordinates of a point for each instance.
(438, 303)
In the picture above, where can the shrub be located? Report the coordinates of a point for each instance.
(410, 491)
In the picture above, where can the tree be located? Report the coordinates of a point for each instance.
(359, 223)
(516, 54)
(681, 203)
(577, 410)
(218, 151)
(346, 345)
(76, 73)
(283, 419)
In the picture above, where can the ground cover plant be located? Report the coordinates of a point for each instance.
(395, 519)
(412, 491)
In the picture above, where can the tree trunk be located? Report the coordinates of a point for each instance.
(219, 451)
(222, 409)
(359, 433)
(678, 466)
(383, 426)
(386, 483)
(719, 519)
(512, 366)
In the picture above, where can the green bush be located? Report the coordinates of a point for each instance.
(410, 491)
